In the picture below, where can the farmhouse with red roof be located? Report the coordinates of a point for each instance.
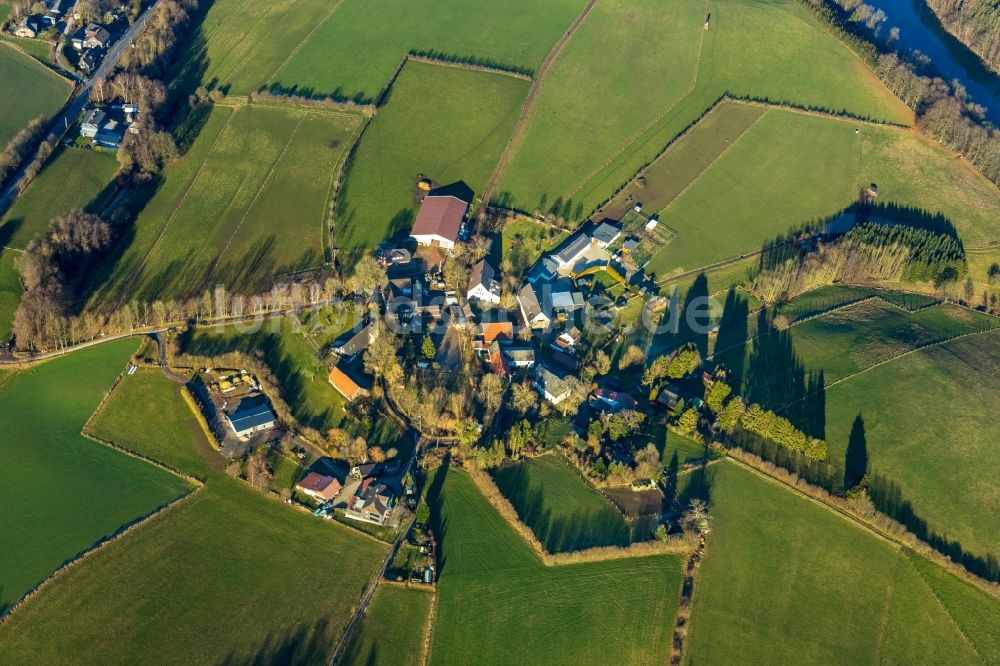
(441, 215)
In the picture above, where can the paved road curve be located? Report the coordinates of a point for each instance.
(60, 124)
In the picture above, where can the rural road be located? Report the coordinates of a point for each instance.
(62, 121)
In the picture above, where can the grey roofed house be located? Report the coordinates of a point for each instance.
(605, 233)
(373, 504)
(531, 308)
(545, 269)
(92, 123)
(90, 60)
(552, 384)
(29, 27)
(357, 343)
(519, 357)
(571, 249)
(253, 414)
(483, 285)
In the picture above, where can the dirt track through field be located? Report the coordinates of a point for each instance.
(529, 101)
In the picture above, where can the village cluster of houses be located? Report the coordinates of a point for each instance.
(33, 25)
(106, 126)
(367, 493)
(90, 41)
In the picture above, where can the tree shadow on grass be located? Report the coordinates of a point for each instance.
(308, 643)
(439, 523)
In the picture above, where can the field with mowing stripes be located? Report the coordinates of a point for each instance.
(929, 422)
(498, 604)
(442, 122)
(563, 511)
(73, 178)
(248, 201)
(829, 592)
(30, 90)
(394, 628)
(62, 492)
(775, 50)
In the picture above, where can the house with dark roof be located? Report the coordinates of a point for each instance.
(92, 122)
(609, 400)
(483, 284)
(29, 27)
(605, 233)
(357, 343)
(95, 37)
(252, 415)
(552, 384)
(544, 270)
(372, 504)
(318, 486)
(519, 356)
(441, 215)
(571, 250)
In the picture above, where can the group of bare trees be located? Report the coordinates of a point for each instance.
(975, 22)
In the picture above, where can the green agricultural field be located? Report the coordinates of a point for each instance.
(775, 50)
(354, 53)
(62, 493)
(441, 122)
(302, 377)
(844, 342)
(563, 511)
(788, 169)
(830, 592)
(628, 63)
(223, 213)
(230, 575)
(31, 91)
(10, 292)
(147, 402)
(497, 603)
(928, 427)
(73, 178)
(393, 629)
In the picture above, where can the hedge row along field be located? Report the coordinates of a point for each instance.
(775, 50)
(62, 493)
(497, 603)
(828, 593)
(248, 201)
(30, 90)
(228, 575)
(444, 123)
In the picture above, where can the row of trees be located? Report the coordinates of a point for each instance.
(20, 147)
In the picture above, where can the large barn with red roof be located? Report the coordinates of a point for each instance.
(441, 215)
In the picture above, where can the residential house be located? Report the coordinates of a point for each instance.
(372, 504)
(545, 270)
(668, 397)
(551, 384)
(319, 487)
(29, 27)
(89, 60)
(483, 285)
(565, 361)
(441, 215)
(605, 233)
(498, 360)
(366, 471)
(357, 343)
(519, 356)
(567, 340)
(571, 250)
(561, 299)
(95, 37)
(490, 332)
(396, 256)
(610, 400)
(252, 415)
(92, 123)
(346, 386)
(111, 133)
(53, 13)
(531, 309)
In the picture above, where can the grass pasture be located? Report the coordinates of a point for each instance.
(147, 402)
(497, 603)
(788, 169)
(443, 122)
(354, 53)
(248, 201)
(72, 178)
(775, 50)
(228, 575)
(829, 593)
(62, 492)
(928, 427)
(563, 511)
(393, 630)
(31, 90)
(10, 292)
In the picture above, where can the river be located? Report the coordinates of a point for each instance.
(919, 29)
